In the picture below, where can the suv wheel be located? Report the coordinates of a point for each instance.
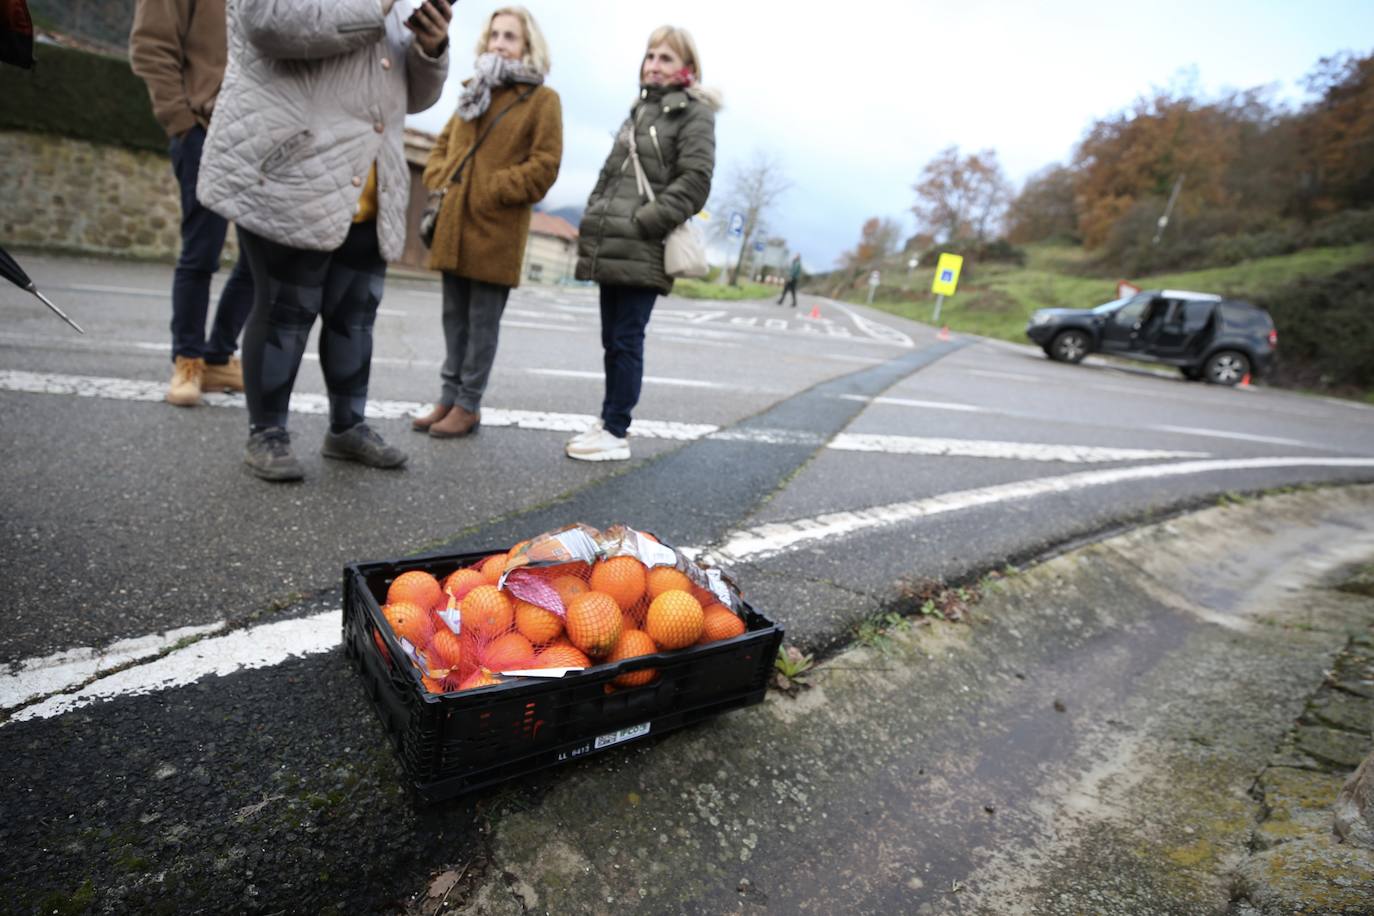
(1226, 367)
(1069, 346)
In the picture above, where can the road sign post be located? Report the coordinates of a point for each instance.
(873, 280)
(946, 279)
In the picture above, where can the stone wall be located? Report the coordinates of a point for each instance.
(72, 195)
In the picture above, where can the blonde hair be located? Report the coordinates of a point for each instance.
(680, 40)
(536, 55)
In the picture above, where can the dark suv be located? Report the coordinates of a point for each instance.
(1205, 336)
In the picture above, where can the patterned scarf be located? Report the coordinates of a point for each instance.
(492, 70)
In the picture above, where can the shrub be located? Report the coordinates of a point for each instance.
(1326, 330)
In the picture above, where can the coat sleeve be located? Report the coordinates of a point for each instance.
(433, 174)
(155, 53)
(311, 29)
(525, 183)
(425, 76)
(689, 183)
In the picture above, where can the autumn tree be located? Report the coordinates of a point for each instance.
(1045, 207)
(878, 240)
(1336, 134)
(753, 190)
(961, 197)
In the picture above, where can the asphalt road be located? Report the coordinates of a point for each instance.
(825, 460)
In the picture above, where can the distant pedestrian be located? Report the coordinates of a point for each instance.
(497, 156)
(793, 277)
(306, 155)
(673, 124)
(178, 48)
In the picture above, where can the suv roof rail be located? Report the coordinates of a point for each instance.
(1189, 294)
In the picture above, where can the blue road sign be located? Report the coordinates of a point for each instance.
(736, 225)
(946, 276)
(758, 246)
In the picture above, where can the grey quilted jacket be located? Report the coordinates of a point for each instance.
(620, 239)
(314, 93)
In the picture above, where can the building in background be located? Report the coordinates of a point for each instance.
(550, 250)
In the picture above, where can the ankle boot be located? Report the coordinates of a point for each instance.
(459, 422)
(422, 424)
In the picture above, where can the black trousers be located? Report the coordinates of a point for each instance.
(291, 288)
(625, 312)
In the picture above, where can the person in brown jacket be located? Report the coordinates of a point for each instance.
(498, 156)
(179, 49)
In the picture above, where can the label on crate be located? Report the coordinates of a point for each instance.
(625, 734)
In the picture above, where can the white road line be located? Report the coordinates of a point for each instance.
(906, 402)
(648, 379)
(1247, 437)
(1019, 451)
(272, 643)
(242, 650)
(39, 677)
(989, 373)
(774, 538)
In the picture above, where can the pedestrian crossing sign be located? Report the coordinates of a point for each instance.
(947, 274)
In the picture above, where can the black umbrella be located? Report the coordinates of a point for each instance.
(11, 271)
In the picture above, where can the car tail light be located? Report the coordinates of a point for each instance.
(1273, 338)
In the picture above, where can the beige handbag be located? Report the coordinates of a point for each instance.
(684, 250)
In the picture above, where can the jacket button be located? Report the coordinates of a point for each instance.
(357, 182)
(379, 127)
(386, 63)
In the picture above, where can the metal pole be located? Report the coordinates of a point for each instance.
(871, 288)
(939, 300)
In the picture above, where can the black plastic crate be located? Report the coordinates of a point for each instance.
(460, 742)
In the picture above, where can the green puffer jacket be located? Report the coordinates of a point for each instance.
(620, 241)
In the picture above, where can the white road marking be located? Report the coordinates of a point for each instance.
(648, 379)
(777, 537)
(272, 643)
(906, 402)
(1247, 437)
(260, 647)
(1019, 451)
(39, 677)
(872, 328)
(1012, 376)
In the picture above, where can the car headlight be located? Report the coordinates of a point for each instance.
(1039, 318)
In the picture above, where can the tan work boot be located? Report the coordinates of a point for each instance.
(184, 389)
(459, 422)
(224, 377)
(422, 424)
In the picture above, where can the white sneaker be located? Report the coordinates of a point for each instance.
(588, 432)
(598, 445)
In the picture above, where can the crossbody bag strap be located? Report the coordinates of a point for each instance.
(641, 180)
(458, 172)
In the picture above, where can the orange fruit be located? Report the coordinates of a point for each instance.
(704, 595)
(486, 612)
(493, 566)
(674, 620)
(410, 622)
(719, 622)
(568, 587)
(381, 646)
(417, 587)
(594, 623)
(576, 568)
(622, 578)
(508, 652)
(479, 678)
(662, 578)
(433, 684)
(630, 644)
(462, 581)
(536, 624)
(562, 656)
(446, 648)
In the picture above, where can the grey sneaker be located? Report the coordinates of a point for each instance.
(363, 445)
(269, 455)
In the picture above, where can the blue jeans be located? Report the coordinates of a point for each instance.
(625, 312)
(202, 241)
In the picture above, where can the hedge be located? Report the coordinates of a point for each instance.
(78, 94)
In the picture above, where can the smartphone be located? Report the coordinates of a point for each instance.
(414, 19)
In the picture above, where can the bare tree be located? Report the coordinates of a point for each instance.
(878, 240)
(753, 190)
(961, 197)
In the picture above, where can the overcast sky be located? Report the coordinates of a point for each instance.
(853, 104)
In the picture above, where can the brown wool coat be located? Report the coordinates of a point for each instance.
(485, 218)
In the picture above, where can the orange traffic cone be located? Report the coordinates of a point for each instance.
(944, 333)
(815, 312)
(1245, 382)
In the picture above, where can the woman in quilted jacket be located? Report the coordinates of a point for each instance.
(306, 155)
(497, 157)
(620, 243)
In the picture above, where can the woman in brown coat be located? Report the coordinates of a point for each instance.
(497, 156)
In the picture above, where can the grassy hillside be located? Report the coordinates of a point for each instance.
(996, 299)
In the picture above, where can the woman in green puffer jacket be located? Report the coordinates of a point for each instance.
(620, 243)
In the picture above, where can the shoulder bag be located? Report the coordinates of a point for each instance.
(684, 250)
